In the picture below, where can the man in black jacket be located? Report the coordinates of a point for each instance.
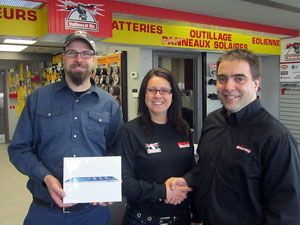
(248, 170)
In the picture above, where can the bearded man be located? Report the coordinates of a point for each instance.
(70, 118)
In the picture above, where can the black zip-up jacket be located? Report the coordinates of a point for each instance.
(248, 170)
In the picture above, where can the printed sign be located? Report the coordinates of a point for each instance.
(23, 22)
(290, 72)
(93, 16)
(290, 60)
(154, 34)
(290, 50)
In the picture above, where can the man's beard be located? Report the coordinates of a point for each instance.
(78, 77)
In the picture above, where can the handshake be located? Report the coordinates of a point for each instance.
(177, 190)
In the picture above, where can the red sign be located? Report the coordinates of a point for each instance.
(93, 16)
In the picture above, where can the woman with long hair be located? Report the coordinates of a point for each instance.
(155, 146)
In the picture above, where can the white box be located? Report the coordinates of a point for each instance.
(92, 179)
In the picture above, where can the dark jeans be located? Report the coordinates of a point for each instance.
(133, 217)
(40, 215)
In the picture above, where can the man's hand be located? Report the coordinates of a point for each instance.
(56, 191)
(177, 181)
(177, 190)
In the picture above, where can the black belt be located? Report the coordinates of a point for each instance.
(73, 208)
(155, 219)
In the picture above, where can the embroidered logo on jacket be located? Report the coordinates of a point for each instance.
(185, 144)
(153, 148)
(244, 148)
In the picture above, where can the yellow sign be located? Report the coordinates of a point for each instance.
(23, 22)
(154, 34)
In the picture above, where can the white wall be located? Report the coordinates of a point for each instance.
(146, 62)
(138, 60)
(270, 84)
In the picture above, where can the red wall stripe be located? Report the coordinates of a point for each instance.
(142, 10)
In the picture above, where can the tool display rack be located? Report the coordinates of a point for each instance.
(111, 76)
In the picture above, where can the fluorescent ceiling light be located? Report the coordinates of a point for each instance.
(19, 41)
(12, 48)
(23, 4)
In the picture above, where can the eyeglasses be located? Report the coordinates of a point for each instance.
(83, 54)
(162, 91)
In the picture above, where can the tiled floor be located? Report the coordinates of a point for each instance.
(14, 197)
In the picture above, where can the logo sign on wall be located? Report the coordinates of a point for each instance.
(292, 51)
(93, 16)
(290, 60)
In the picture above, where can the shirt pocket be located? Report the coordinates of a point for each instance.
(50, 120)
(244, 160)
(97, 125)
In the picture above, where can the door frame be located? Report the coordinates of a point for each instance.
(6, 132)
(198, 83)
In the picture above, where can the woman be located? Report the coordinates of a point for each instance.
(154, 147)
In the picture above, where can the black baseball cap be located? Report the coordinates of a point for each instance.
(80, 35)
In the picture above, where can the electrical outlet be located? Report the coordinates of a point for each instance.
(134, 75)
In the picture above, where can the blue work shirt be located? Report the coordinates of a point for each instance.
(54, 124)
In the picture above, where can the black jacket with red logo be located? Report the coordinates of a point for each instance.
(148, 163)
(248, 170)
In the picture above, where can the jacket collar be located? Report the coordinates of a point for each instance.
(244, 114)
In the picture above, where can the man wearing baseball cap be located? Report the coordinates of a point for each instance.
(69, 118)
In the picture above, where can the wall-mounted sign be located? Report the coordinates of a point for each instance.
(154, 34)
(24, 22)
(94, 16)
(290, 60)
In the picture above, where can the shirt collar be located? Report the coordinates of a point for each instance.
(244, 114)
(63, 84)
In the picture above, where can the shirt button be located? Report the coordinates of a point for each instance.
(75, 136)
(74, 155)
(75, 118)
(100, 120)
(49, 114)
(76, 100)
